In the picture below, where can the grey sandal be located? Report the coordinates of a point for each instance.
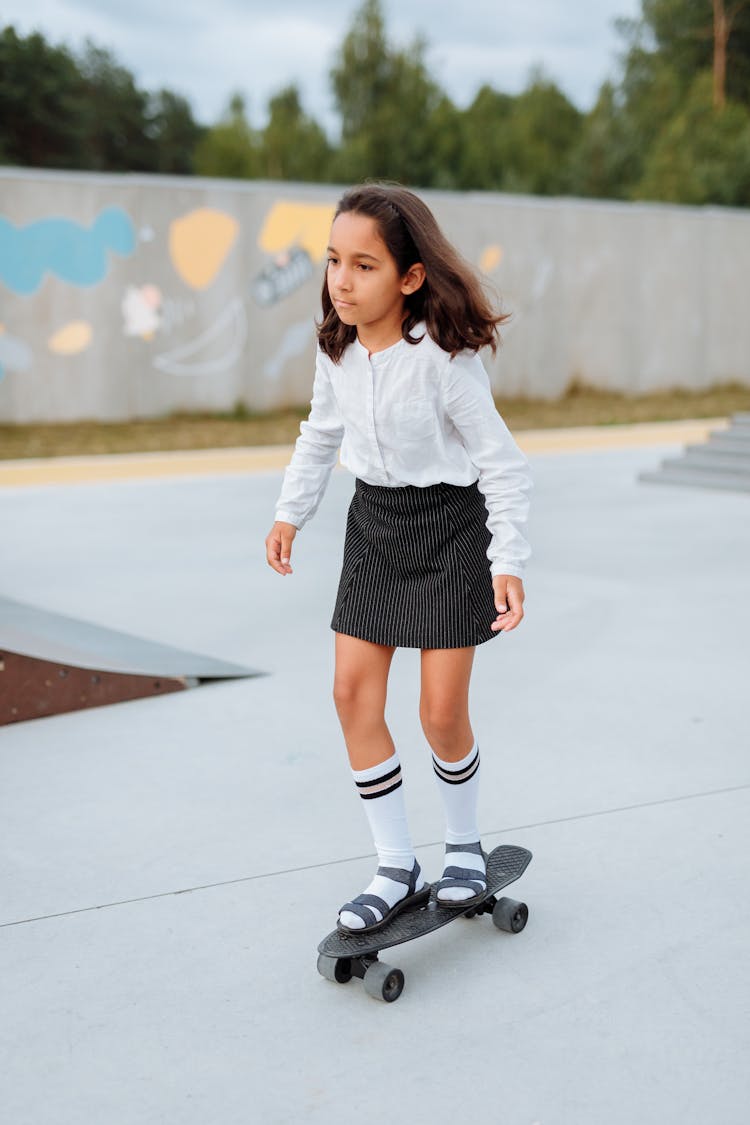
(361, 905)
(470, 878)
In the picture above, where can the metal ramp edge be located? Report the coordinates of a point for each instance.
(51, 663)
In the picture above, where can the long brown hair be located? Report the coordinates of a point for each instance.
(450, 301)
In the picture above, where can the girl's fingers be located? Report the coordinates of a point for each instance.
(279, 549)
(509, 596)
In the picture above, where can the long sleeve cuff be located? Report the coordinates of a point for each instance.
(282, 516)
(516, 568)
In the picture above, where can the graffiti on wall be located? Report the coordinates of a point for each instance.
(189, 302)
(168, 318)
(76, 254)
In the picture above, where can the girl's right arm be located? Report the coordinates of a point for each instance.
(308, 472)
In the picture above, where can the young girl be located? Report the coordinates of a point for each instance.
(434, 548)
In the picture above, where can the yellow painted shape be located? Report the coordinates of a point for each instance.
(491, 258)
(72, 338)
(199, 243)
(297, 224)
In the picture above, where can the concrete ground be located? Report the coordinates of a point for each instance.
(169, 865)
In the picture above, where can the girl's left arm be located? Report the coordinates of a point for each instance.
(504, 474)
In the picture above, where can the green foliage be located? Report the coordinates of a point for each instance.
(386, 100)
(701, 156)
(230, 149)
(116, 114)
(543, 128)
(653, 133)
(682, 32)
(292, 145)
(485, 150)
(173, 131)
(59, 110)
(42, 116)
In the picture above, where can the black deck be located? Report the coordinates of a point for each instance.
(504, 865)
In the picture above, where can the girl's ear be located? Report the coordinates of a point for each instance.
(412, 279)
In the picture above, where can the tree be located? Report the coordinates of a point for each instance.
(601, 163)
(292, 145)
(724, 19)
(231, 148)
(519, 144)
(694, 35)
(173, 131)
(42, 116)
(117, 115)
(543, 128)
(701, 156)
(485, 151)
(386, 100)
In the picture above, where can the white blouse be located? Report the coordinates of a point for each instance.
(411, 415)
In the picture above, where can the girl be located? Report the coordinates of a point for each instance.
(434, 548)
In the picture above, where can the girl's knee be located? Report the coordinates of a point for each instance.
(344, 692)
(445, 725)
(355, 698)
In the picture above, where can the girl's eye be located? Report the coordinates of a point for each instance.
(362, 266)
(332, 261)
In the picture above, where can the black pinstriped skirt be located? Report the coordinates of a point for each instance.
(415, 571)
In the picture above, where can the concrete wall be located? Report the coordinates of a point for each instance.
(131, 296)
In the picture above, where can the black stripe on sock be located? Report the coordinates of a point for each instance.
(457, 777)
(378, 780)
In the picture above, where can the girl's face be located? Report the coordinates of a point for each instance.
(363, 279)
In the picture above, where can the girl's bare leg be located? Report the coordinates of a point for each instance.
(359, 691)
(444, 712)
(444, 701)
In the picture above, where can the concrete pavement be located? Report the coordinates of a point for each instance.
(169, 865)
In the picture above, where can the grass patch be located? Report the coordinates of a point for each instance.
(579, 406)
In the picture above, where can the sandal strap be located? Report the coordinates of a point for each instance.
(463, 877)
(401, 875)
(361, 907)
(474, 849)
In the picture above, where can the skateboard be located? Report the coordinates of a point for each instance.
(343, 956)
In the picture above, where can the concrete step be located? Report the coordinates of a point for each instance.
(731, 441)
(723, 461)
(707, 461)
(709, 449)
(695, 478)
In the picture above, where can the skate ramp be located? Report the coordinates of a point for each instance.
(51, 663)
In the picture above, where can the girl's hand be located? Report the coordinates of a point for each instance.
(279, 546)
(509, 597)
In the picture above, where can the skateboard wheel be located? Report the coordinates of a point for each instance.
(383, 983)
(338, 969)
(510, 915)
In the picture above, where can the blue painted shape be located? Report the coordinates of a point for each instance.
(67, 249)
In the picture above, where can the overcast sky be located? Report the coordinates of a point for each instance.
(207, 50)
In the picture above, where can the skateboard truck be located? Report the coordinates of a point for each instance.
(380, 980)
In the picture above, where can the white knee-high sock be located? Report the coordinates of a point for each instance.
(458, 785)
(380, 788)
